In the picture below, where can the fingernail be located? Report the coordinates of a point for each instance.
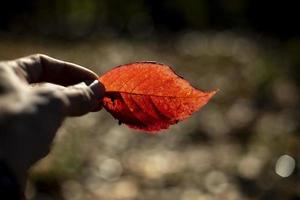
(98, 89)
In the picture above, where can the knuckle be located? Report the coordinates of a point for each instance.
(84, 92)
(55, 99)
(43, 57)
(37, 56)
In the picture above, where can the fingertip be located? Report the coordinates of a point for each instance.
(98, 89)
(84, 99)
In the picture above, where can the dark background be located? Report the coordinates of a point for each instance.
(249, 49)
(69, 19)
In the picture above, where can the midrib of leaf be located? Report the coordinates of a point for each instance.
(155, 95)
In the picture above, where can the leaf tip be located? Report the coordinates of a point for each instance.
(212, 93)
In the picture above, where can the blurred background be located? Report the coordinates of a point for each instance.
(243, 145)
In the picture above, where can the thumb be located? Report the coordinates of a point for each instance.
(83, 98)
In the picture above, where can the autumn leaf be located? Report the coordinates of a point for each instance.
(150, 96)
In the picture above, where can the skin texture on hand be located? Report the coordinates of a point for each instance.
(30, 115)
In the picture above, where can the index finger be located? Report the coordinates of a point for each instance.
(41, 68)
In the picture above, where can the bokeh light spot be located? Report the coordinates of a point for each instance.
(285, 166)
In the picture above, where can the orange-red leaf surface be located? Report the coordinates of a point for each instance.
(150, 96)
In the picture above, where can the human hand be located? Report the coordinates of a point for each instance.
(30, 114)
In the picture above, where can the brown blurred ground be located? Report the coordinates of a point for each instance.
(228, 150)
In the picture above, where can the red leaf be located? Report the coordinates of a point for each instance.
(150, 96)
